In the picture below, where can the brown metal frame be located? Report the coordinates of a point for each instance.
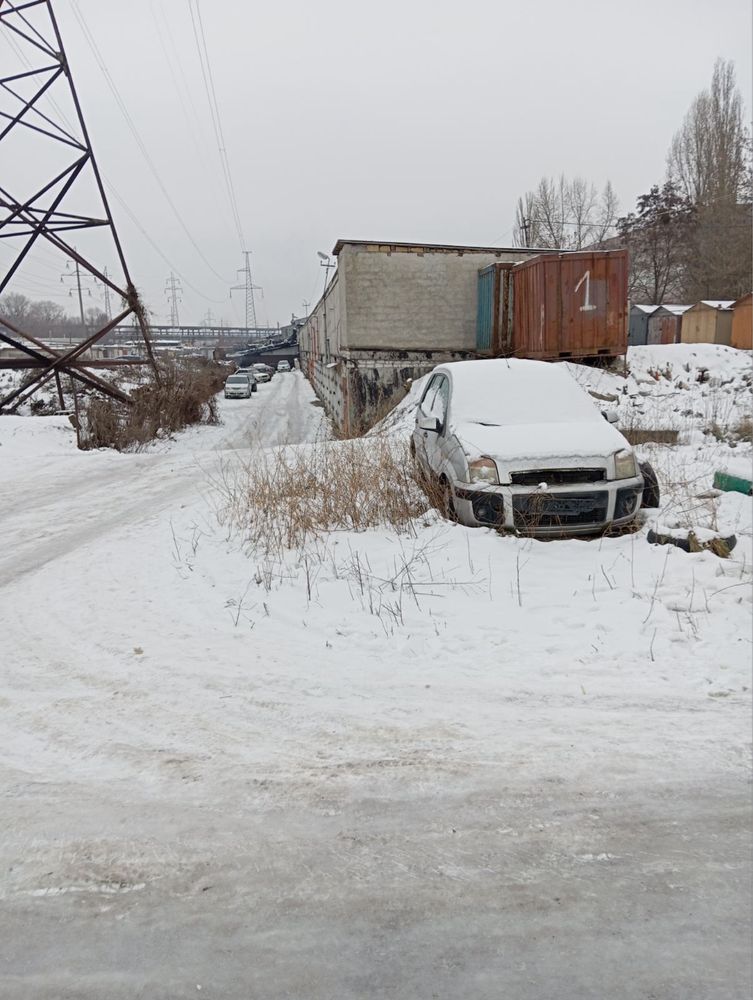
(35, 218)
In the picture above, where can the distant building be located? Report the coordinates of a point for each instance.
(708, 322)
(392, 312)
(665, 324)
(742, 323)
(638, 324)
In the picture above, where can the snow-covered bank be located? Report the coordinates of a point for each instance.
(379, 764)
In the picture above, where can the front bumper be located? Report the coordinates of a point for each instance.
(578, 509)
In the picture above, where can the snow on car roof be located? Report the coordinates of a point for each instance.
(516, 391)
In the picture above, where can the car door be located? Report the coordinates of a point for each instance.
(434, 405)
(420, 436)
(435, 442)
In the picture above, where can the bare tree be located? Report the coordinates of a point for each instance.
(709, 159)
(710, 163)
(566, 214)
(15, 308)
(657, 236)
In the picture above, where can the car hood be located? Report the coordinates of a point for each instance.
(527, 445)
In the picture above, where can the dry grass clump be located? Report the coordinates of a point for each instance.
(646, 435)
(185, 396)
(284, 498)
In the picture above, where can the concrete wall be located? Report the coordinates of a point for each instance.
(413, 298)
(390, 314)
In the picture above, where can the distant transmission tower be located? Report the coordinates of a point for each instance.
(108, 304)
(41, 210)
(173, 291)
(248, 287)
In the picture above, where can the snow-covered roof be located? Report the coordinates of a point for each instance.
(676, 310)
(645, 309)
(718, 303)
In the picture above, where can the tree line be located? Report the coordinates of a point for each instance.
(43, 318)
(690, 236)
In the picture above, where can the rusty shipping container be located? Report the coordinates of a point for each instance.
(570, 305)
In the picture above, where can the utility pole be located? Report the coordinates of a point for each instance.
(326, 262)
(248, 287)
(78, 277)
(174, 291)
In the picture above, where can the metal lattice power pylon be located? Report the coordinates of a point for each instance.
(248, 287)
(29, 109)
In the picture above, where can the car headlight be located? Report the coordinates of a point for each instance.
(624, 465)
(483, 470)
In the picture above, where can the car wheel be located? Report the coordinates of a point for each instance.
(651, 492)
(447, 500)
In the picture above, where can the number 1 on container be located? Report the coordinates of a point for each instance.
(587, 306)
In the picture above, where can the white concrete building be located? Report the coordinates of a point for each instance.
(391, 313)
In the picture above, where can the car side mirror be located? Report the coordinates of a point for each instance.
(610, 416)
(432, 424)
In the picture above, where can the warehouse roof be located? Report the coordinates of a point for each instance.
(390, 246)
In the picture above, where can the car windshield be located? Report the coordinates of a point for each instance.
(238, 380)
(501, 392)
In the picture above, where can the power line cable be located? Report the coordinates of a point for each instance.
(113, 190)
(214, 110)
(188, 106)
(134, 131)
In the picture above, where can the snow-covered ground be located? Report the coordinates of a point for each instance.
(438, 763)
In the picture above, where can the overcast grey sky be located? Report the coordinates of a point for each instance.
(418, 120)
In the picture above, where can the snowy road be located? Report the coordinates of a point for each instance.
(51, 510)
(220, 780)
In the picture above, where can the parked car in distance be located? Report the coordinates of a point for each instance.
(238, 386)
(263, 373)
(283, 366)
(250, 374)
(517, 444)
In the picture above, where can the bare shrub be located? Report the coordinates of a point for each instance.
(743, 430)
(185, 396)
(284, 498)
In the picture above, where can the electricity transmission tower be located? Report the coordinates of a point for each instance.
(32, 120)
(248, 287)
(108, 305)
(173, 291)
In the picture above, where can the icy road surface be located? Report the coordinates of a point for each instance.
(526, 780)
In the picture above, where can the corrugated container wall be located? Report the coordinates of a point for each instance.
(571, 305)
(494, 309)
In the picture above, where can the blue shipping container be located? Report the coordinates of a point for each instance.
(485, 308)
